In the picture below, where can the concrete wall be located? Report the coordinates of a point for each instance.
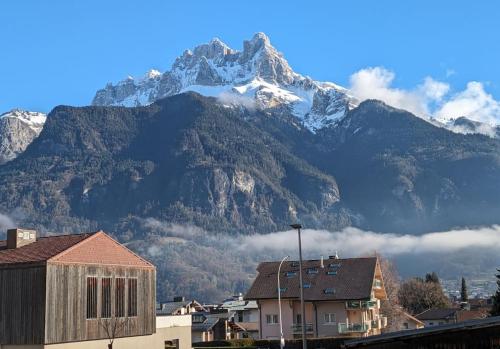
(330, 329)
(168, 328)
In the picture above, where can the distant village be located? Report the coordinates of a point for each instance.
(90, 291)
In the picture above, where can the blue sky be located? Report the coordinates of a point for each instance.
(61, 52)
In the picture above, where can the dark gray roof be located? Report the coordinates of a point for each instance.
(171, 307)
(436, 314)
(433, 330)
(210, 321)
(353, 279)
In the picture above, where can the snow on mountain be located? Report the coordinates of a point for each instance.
(467, 126)
(258, 73)
(18, 128)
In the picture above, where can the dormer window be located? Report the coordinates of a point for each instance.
(290, 274)
(329, 290)
(312, 271)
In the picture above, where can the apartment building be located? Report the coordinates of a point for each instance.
(342, 298)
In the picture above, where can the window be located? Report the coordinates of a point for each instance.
(290, 274)
(312, 271)
(331, 272)
(172, 344)
(199, 318)
(298, 319)
(91, 297)
(329, 291)
(334, 265)
(294, 264)
(377, 283)
(405, 325)
(282, 290)
(329, 318)
(307, 285)
(132, 297)
(120, 297)
(106, 298)
(272, 319)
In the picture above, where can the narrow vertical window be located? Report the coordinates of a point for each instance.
(91, 297)
(105, 298)
(132, 297)
(120, 297)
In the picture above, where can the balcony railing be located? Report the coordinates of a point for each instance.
(354, 327)
(297, 328)
(379, 323)
(383, 321)
(361, 304)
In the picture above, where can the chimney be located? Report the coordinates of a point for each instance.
(322, 262)
(336, 256)
(20, 237)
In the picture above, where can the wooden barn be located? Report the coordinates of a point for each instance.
(72, 288)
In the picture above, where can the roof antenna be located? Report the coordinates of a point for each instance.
(336, 255)
(322, 262)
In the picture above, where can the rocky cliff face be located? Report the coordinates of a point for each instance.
(258, 75)
(183, 159)
(18, 128)
(189, 159)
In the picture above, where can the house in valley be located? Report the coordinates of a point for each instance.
(59, 291)
(244, 315)
(179, 306)
(342, 298)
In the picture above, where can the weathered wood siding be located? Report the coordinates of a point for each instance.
(65, 315)
(22, 305)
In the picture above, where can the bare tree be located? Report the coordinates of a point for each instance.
(417, 295)
(113, 327)
(390, 307)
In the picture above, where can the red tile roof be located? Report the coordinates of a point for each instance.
(101, 249)
(40, 251)
(353, 279)
(88, 248)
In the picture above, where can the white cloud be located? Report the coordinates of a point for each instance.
(233, 98)
(353, 241)
(474, 102)
(376, 83)
(433, 90)
(6, 222)
(350, 241)
(431, 98)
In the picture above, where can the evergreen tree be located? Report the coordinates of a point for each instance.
(495, 309)
(432, 277)
(464, 297)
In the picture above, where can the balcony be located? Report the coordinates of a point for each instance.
(355, 305)
(354, 328)
(379, 323)
(297, 328)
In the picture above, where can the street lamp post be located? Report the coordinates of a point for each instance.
(282, 339)
(301, 285)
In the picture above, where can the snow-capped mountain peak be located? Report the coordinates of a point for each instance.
(33, 120)
(18, 128)
(258, 72)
